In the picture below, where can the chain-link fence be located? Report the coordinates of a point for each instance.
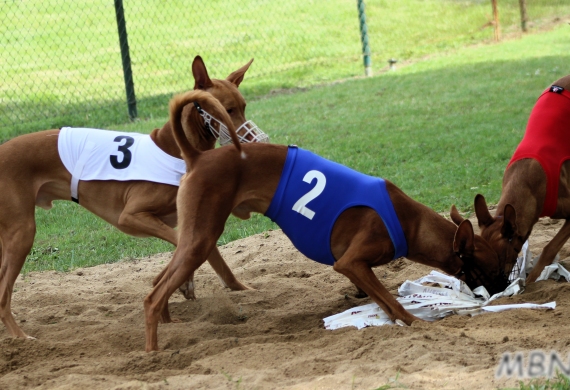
(61, 63)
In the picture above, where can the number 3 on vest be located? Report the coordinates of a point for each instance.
(127, 155)
(300, 205)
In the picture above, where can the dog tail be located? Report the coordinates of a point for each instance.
(210, 104)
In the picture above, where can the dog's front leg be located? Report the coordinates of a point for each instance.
(549, 252)
(360, 273)
(16, 245)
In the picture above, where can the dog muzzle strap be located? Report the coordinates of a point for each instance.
(252, 133)
(248, 132)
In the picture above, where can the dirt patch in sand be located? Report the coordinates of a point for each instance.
(90, 334)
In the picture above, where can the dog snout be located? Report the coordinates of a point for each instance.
(249, 132)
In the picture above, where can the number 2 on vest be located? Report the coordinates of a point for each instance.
(300, 205)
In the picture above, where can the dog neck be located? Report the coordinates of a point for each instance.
(524, 187)
(430, 241)
(429, 235)
(164, 139)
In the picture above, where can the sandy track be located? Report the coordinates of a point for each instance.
(90, 334)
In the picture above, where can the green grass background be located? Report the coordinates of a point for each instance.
(442, 126)
(60, 61)
(442, 129)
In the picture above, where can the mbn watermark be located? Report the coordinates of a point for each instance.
(537, 364)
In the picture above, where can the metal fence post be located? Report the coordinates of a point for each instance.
(524, 16)
(125, 56)
(364, 38)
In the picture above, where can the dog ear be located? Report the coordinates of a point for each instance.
(509, 228)
(484, 218)
(201, 79)
(464, 238)
(455, 216)
(237, 76)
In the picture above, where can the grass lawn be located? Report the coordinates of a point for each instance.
(442, 129)
(60, 62)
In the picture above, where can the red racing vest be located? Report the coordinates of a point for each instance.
(547, 140)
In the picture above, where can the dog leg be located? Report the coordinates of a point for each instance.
(143, 223)
(224, 272)
(148, 224)
(165, 315)
(16, 245)
(360, 273)
(184, 262)
(360, 293)
(187, 288)
(549, 252)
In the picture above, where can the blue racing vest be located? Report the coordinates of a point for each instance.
(313, 192)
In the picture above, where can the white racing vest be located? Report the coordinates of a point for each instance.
(93, 154)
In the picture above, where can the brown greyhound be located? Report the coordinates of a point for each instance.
(247, 179)
(32, 174)
(536, 183)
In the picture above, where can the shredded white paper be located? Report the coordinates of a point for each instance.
(437, 295)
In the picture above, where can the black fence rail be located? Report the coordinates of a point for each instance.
(67, 62)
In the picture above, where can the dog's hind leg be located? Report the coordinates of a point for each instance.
(549, 252)
(15, 244)
(185, 261)
(146, 223)
(165, 315)
(224, 272)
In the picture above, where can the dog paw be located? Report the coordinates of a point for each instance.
(189, 295)
(187, 289)
(222, 281)
(360, 295)
(238, 286)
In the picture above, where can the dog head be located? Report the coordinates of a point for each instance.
(500, 234)
(226, 91)
(480, 263)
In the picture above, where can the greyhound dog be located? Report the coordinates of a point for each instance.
(33, 173)
(536, 183)
(373, 223)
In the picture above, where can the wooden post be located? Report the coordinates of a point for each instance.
(496, 20)
(524, 16)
